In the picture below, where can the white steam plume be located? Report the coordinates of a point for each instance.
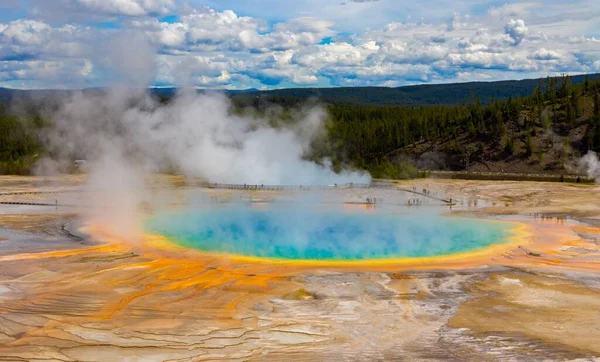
(591, 165)
(126, 135)
(196, 134)
(117, 190)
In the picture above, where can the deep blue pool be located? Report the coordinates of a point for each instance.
(289, 233)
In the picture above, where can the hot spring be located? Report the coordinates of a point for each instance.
(295, 232)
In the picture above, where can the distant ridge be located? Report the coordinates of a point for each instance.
(416, 95)
(412, 95)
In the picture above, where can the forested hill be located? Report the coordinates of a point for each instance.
(545, 130)
(415, 95)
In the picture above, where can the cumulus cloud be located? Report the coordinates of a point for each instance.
(132, 8)
(127, 7)
(334, 54)
(516, 30)
(46, 73)
(545, 54)
(25, 32)
(318, 27)
(195, 70)
(32, 39)
(205, 47)
(210, 30)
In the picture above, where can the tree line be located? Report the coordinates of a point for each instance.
(372, 137)
(383, 138)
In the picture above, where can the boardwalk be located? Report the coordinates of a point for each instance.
(242, 187)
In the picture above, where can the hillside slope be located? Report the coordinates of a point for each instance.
(415, 95)
(545, 133)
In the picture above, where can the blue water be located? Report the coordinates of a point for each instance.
(287, 233)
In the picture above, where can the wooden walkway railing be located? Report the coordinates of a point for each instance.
(247, 187)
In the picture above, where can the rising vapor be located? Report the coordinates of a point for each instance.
(196, 134)
(125, 135)
(590, 164)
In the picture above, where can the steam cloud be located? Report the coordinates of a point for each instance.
(591, 165)
(197, 135)
(126, 135)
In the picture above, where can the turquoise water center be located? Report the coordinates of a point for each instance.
(308, 234)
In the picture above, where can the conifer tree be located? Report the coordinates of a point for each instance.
(596, 103)
(575, 101)
(528, 145)
(586, 84)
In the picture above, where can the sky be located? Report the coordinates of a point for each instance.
(265, 44)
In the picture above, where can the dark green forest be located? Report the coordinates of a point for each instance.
(558, 121)
(540, 132)
(19, 142)
(414, 95)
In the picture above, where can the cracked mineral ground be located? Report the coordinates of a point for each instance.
(71, 291)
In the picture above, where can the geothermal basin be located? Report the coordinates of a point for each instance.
(271, 275)
(300, 232)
